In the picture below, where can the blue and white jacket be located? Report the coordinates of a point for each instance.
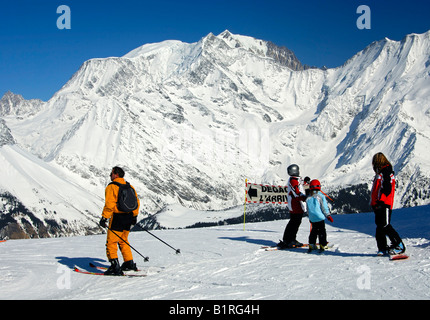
(317, 207)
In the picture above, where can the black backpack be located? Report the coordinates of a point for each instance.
(127, 200)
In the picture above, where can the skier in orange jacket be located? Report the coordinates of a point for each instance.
(120, 223)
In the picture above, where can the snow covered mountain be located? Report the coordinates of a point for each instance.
(190, 122)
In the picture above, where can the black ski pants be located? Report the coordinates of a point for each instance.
(384, 228)
(292, 227)
(318, 230)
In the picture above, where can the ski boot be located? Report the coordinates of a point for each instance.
(322, 248)
(397, 249)
(129, 265)
(114, 269)
(382, 251)
(292, 244)
(297, 244)
(312, 247)
(281, 245)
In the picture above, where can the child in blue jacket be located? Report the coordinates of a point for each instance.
(318, 211)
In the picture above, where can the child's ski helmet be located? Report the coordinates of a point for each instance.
(315, 185)
(293, 170)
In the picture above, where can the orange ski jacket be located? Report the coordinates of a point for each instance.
(111, 198)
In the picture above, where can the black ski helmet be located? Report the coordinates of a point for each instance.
(293, 170)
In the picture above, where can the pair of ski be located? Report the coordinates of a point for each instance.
(393, 257)
(276, 248)
(100, 271)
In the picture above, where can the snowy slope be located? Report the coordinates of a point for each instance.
(190, 122)
(67, 208)
(226, 263)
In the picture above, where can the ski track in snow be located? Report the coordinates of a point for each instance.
(226, 262)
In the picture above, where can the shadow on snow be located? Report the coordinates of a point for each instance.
(81, 262)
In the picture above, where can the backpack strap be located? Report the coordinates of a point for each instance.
(119, 184)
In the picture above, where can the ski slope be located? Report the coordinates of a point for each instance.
(225, 262)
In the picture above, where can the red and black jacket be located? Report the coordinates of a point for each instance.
(296, 196)
(383, 187)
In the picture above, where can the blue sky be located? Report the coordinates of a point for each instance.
(37, 58)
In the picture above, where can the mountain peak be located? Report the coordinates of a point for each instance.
(225, 33)
(12, 103)
(236, 41)
(150, 47)
(264, 48)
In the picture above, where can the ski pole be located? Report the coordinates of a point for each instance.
(176, 250)
(144, 258)
(327, 196)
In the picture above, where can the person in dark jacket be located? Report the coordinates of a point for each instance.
(382, 199)
(296, 207)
